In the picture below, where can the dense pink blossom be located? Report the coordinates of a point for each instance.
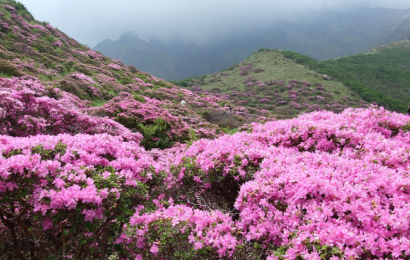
(114, 66)
(209, 229)
(10, 8)
(24, 111)
(339, 179)
(93, 54)
(63, 186)
(59, 44)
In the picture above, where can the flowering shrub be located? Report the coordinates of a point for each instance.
(64, 195)
(25, 111)
(4, 25)
(94, 55)
(242, 103)
(260, 84)
(10, 8)
(282, 103)
(58, 44)
(180, 232)
(244, 70)
(325, 185)
(9, 68)
(114, 66)
(159, 127)
(295, 105)
(80, 85)
(264, 100)
(40, 28)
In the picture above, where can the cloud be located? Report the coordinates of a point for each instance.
(91, 21)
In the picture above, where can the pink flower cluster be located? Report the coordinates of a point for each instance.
(94, 55)
(25, 111)
(206, 229)
(57, 184)
(114, 66)
(82, 77)
(323, 179)
(130, 112)
(92, 86)
(59, 44)
(244, 70)
(10, 8)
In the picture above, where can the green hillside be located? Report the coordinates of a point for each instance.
(270, 80)
(380, 75)
(385, 69)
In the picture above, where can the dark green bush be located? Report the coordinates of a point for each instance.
(141, 76)
(155, 135)
(139, 98)
(126, 80)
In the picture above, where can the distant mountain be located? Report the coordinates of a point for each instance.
(133, 50)
(322, 36)
(268, 79)
(172, 60)
(400, 30)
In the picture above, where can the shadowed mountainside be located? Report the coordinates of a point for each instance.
(320, 35)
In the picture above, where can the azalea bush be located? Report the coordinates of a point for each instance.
(25, 110)
(65, 196)
(321, 186)
(159, 128)
(180, 232)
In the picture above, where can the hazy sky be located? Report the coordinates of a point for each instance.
(91, 21)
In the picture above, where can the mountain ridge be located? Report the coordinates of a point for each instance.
(321, 36)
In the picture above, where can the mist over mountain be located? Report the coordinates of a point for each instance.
(399, 31)
(322, 35)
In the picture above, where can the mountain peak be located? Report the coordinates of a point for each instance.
(130, 35)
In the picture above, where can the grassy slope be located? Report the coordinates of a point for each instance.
(277, 67)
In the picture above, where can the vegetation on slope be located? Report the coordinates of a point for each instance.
(272, 80)
(379, 76)
(385, 70)
(32, 48)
